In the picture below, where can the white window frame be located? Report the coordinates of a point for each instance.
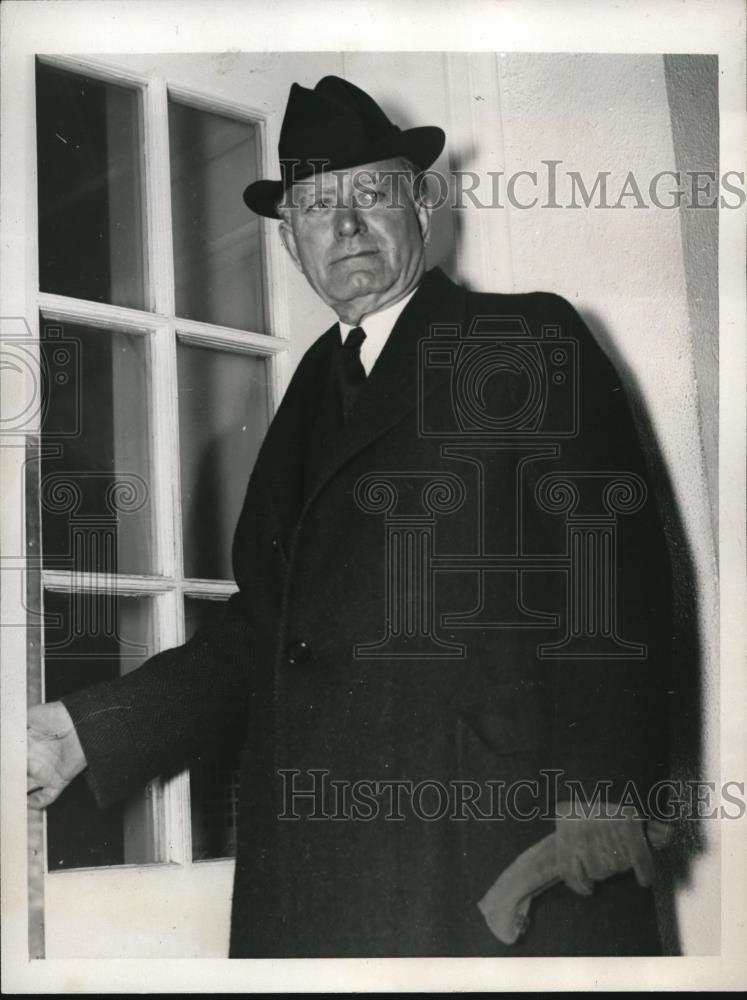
(176, 876)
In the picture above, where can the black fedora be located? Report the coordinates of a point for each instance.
(332, 127)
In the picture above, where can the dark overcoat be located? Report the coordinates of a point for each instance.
(371, 643)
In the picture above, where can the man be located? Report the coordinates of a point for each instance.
(412, 608)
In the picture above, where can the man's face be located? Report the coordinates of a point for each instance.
(358, 237)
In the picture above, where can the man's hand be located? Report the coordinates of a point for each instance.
(589, 850)
(55, 755)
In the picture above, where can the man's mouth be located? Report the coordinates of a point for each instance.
(355, 255)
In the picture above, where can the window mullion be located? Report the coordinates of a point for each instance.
(67, 581)
(158, 197)
(163, 387)
(63, 309)
(177, 836)
(239, 341)
(167, 495)
(165, 445)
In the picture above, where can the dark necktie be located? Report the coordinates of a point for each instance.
(350, 371)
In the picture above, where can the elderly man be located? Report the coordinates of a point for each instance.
(413, 611)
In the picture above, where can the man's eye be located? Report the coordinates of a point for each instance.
(367, 199)
(319, 205)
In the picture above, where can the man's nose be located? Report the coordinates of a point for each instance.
(349, 221)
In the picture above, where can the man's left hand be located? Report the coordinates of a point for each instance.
(594, 848)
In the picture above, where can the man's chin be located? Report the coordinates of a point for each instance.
(360, 284)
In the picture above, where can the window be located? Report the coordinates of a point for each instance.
(160, 377)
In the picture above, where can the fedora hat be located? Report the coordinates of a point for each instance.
(332, 127)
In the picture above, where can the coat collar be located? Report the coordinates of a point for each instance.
(389, 394)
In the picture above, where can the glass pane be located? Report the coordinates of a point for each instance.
(96, 508)
(90, 155)
(214, 778)
(223, 415)
(90, 638)
(217, 240)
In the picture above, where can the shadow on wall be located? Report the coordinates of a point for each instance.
(447, 224)
(686, 715)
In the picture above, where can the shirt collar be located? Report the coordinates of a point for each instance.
(378, 325)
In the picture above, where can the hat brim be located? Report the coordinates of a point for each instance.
(422, 145)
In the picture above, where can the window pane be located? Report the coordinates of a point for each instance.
(96, 508)
(90, 638)
(217, 240)
(90, 153)
(214, 778)
(223, 415)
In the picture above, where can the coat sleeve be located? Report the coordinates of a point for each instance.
(183, 700)
(609, 715)
(154, 719)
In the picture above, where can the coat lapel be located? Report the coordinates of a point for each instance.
(282, 462)
(389, 394)
(391, 390)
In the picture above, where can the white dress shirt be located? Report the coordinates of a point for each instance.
(377, 328)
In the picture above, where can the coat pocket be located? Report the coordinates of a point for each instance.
(501, 759)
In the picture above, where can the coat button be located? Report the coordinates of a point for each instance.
(298, 652)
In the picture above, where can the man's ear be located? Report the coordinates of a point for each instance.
(288, 240)
(424, 213)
